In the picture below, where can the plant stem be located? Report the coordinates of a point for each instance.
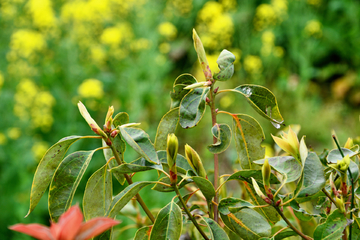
(352, 185)
(128, 179)
(188, 212)
(328, 195)
(216, 157)
(290, 225)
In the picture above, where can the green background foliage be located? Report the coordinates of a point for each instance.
(128, 54)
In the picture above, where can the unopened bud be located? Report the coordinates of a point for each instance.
(207, 99)
(266, 171)
(259, 192)
(197, 85)
(278, 202)
(194, 161)
(108, 119)
(216, 90)
(93, 125)
(114, 133)
(108, 142)
(171, 154)
(340, 204)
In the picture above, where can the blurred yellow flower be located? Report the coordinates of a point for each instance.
(111, 36)
(42, 13)
(278, 51)
(314, 2)
(140, 44)
(8, 10)
(168, 30)
(313, 28)
(270, 14)
(39, 149)
(164, 48)
(2, 139)
(210, 10)
(181, 7)
(1, 80)
(91, 88)
(252, 64)
(97, 54)
(25, 42)
(14, 133)
(228, 4)
(268, 37)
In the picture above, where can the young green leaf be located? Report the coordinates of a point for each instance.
(120, 200)
(227, 204)
(167, 125)
(138, 165)
(179, 92)
(263, 101)
(199, 48)
(65, 182)
(245, 175)
(168, 223)
(120, 119)
(205, 187)
(225, 62)
(216, 232)
(143, 233)
(46, 168)
(192, 107)
(139, 140)
(98, 193)
(333, 227)
(223, 134)
(248, 136)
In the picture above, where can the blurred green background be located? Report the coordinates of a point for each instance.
(127, 53)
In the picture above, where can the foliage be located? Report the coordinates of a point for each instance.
(281, 186)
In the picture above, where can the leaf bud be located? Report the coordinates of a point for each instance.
(171, 150)
(340, 204)
(194, 161)
(349, 143)
(207, 99)
(93, 125)
(197, 85)
(114, 133)
(266, 171)
(259, 192)
(216, 90)
(108, 119)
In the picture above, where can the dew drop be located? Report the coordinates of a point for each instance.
(247, 91)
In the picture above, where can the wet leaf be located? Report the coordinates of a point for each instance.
(139, 140)
(216, 232)
(98, 193)
(223, 134)
(65, 182)
(143, 233)
(263, 101)
(179, 92)
(332, 228)
(138, 165)
(314, 178)
(167, 125)
(248, 136)
(286, 165)
(192, 107)
(46, 169)
(256, 174)
(168, 223)
(120, 200)
(225, 62)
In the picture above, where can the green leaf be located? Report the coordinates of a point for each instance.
(226, 205)
(179, 92)
(314, 178)
(167, 125)
(335, 155)
(139, 140)
(65, 182)
(300, 213)
(216, 232)
(120, 200)
(205, 187)
(225, 62)
(46, 168)
(356, 229)
(285, 234)
(143, 233)
(285, 165)
(182, 164)
(248, 136)
(168, 223)
(199, 48)
(192, 107)
(263, 101)
(138, 165)
(256, 174)
(223, 134)
(248, 224)
(98, 193)
(332, 228)
(120, 148)
(120, 119)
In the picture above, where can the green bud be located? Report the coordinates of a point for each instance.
(259, 192)
(171, 154)
(108, 119)
(340, 204)
(266, 171)
(194, 160)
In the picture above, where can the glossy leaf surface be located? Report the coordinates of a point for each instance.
(167, 125)
(179, 92)
(65, 182)
(225, 62)
(120, 200)
(192, 107)
(263, 101)
(46, 169)
(168, 223)
(332, 228)
(223, 134)
(248, 136)
(216, 232)
(139, 140)
(98, 193)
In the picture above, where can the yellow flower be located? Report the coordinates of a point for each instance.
(14, 133)
(26, 42)
(164, 48)
(39, 149)
(289, 142)
(42, 13)
(252, 64)
(313, 28)
(1, 80)
(112, 36)
(314, 2)
(91, 88)
(2, 139)
(268, 37)
(168, 30)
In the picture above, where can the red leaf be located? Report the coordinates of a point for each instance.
(68, 225)
(94, 227)
(35, 230)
